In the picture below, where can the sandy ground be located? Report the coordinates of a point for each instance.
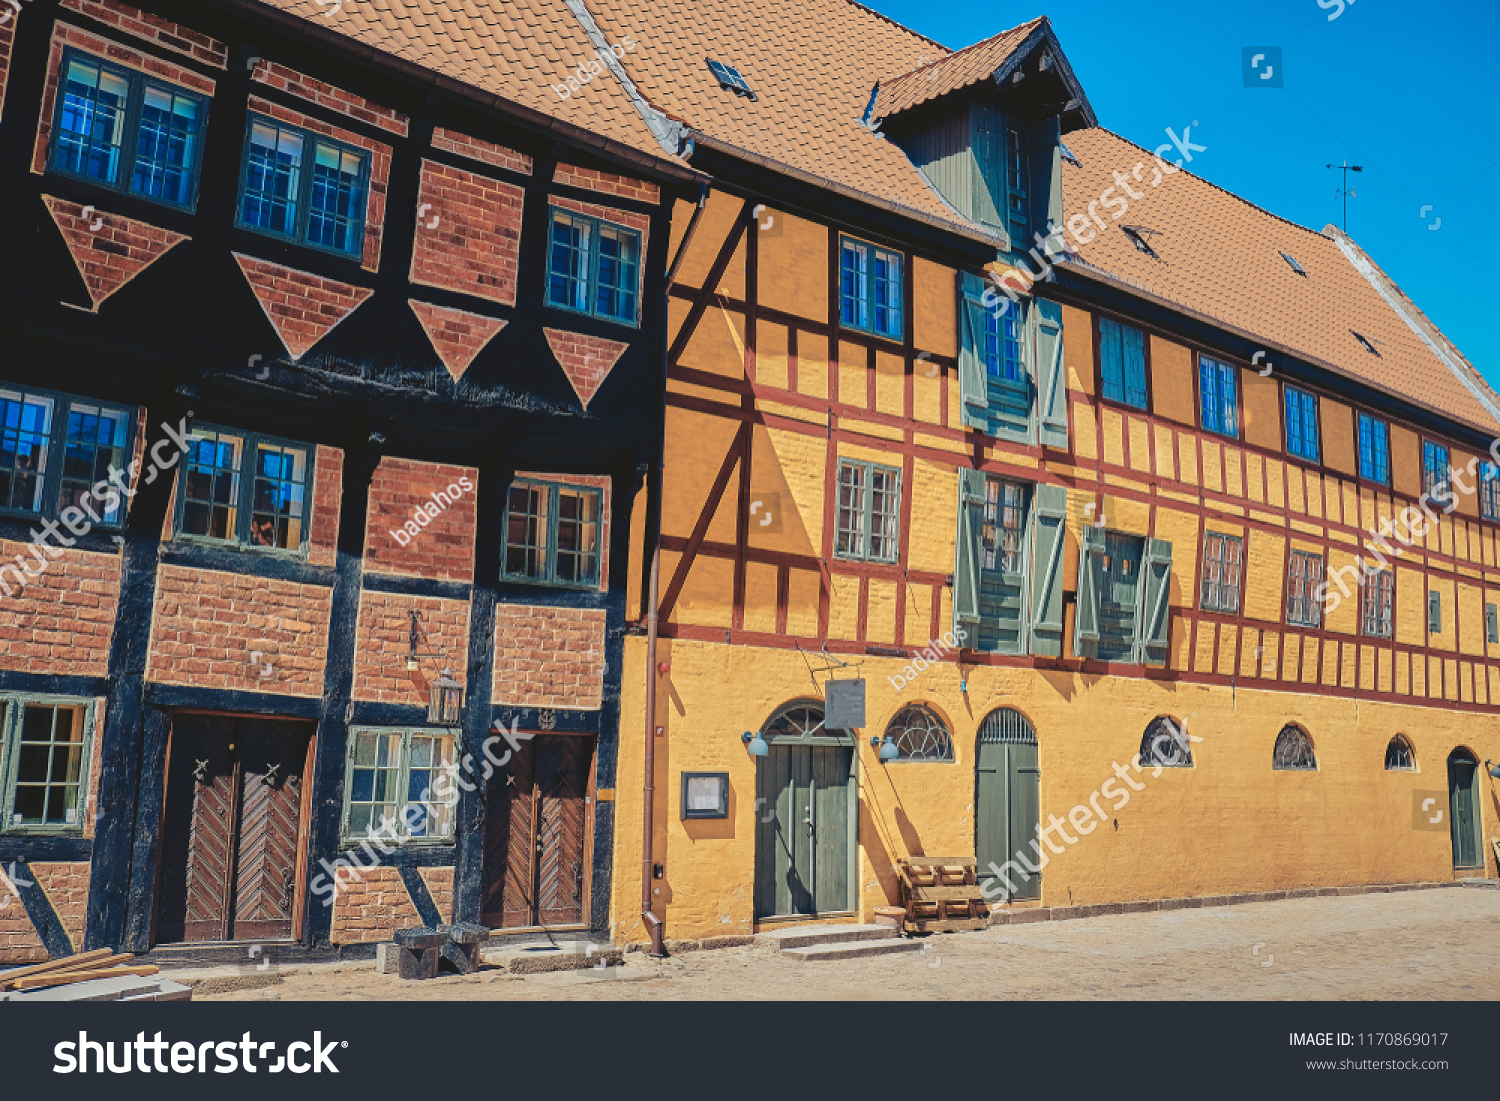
(1435, 944)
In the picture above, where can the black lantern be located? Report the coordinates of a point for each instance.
(445, 707)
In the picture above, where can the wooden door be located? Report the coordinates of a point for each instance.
(1464, 810)
(803, 837)
(538, 818)
(231, 828)
(1007, 805)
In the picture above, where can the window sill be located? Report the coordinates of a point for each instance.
(629, 324)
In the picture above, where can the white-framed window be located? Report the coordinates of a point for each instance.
(869, 511)
(1304, 575)
(44, 762)
(392, 786)
(870, 280)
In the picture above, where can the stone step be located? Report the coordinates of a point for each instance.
(803, 936)
(856, 949)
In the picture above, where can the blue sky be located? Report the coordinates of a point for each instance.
(1406, 90)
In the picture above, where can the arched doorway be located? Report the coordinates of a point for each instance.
(1463, 803)
(1007, 806)
(806, 809)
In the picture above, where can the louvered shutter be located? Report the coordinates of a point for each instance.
(1090, 586)
(1154, 619)
(1051, 376)
(971, 373)
(987, 168)
(1050, 509)
(966, 567)
(1044, 159)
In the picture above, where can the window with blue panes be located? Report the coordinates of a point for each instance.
(393, 782)
(264, 506)
(870, 285)
(1122, 363)
(56, 451)
(1002, 345)
(1218, 397)
(552, 534)
(1374, 450)
(124, 130)
(1489, 490)
(1435, 472)
(304, 187)
(1301, 424)
(593, 267)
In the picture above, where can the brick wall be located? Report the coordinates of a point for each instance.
(7, 40)
(109, 250)
(326, 95)
(328, 493)
(65, 34)
(60, 622)
(153, 28)
(468, 233)
(371, 905)
(549, 657)
(303, 308)
(608, 183)
(67, 888)
(441, 547)
(208, 625)
(19, 942)
(450, 141)
(586, 360)
(457, 335)
(380, 168)
(383, 641)
(440, 886)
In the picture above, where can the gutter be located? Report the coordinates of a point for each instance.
(653, 600)
(425, 77)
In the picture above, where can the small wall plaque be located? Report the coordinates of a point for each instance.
(844, 705)
(705, 795)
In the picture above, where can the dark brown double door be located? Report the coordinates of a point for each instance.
(538, 822)
(231, 829)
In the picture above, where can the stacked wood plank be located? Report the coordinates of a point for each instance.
(103, 963)
(941, 894)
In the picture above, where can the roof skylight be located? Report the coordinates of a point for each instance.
(1137, 235)
(1369, 346)
(729, 78)
(1292, 260)
(1068, 154)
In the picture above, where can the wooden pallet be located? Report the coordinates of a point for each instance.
(941, 895)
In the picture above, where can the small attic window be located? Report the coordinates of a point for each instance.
(729, 78)
(1067, 155)
(1369, 347)
(1296, 267)
(1137, 235)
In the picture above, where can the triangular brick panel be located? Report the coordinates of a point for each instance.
(302, 307)
(109, 250)
(457, 336)
(587, 360)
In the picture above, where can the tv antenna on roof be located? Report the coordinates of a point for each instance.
(1346, 191)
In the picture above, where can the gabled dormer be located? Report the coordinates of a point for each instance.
(984, 126)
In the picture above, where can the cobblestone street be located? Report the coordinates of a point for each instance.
(1418, 945)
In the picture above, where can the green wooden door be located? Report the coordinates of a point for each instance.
(1464, 808)
(803, 835)
(1118, 598)
(1007, 806)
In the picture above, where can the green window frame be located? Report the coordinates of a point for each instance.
(1374, 450)
(118, 128)
(593, 267)
(868, 512)
(1223, 573)
(1489, 490)
(299, 186)
(49, 463)
(871, 298)
(1218, 396)
(265, 507)
(1436, 474)
(553, 534)
(1301, 424)
(44, 769)
(390, 777)
(1122, 363)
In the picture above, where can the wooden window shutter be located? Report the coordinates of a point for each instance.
(987, 168)
(971, 372)
(966, 567)
(1044, 159)
(1050, 374)
(1434, 612)
(1050, 509)
(1154, 619)
(1090, 588)
(1491, 624)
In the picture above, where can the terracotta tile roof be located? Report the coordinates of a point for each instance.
(1219, 256)
(812, 64)
(517, 49)
(958, 70)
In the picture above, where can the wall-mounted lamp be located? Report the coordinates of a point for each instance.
(445, 706)
(755, 745)
(1494, 769)
(889, 750)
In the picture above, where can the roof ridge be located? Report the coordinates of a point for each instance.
(899, 26)
(1220, 188)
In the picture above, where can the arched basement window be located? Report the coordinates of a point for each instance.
(1399, 755)
(921, 735)
(1165, 745)
(1294, 751)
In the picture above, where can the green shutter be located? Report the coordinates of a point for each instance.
(1154, 619)
(966, 568)
(1051, 377)
(1044, 159)
(1090, 586)
(987, 168)
(1434, 612)
(1491, 624)
(1050, 509)
(971, 373)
